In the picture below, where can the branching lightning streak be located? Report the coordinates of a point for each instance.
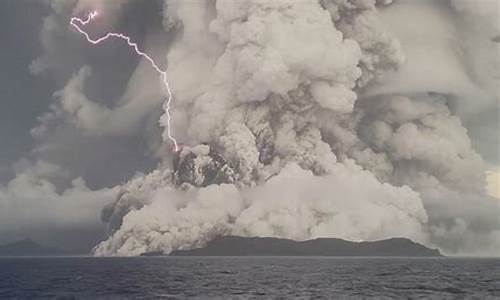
(78, 23)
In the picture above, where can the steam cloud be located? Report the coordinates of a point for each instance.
(314, 118)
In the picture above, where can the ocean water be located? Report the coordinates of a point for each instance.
(249, 278)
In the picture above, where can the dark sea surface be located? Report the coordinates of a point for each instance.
(249, 277)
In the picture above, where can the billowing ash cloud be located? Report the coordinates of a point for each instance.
(322, 133)
(299, 119)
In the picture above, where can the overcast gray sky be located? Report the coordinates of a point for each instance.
(23, 96)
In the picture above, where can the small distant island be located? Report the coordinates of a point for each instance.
(29, 248)
(256, 246)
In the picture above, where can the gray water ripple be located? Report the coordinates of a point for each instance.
(249, 278)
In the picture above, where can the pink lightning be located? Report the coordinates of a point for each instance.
(75, 23)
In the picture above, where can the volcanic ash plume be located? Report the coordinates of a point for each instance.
(288, 138)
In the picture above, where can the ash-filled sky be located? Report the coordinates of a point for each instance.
(357, 119)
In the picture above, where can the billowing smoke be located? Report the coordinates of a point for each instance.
(299, 119)
(314, 106)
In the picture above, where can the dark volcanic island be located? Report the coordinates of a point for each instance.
(254, 246)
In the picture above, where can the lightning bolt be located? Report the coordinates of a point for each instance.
(78, 24)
